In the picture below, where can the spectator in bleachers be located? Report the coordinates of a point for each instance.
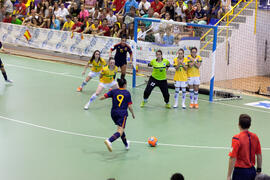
(130, 34)
(86, 24)
(83, 14)
(74, 9)
(8, 6)
(7, 18)
(168, 38)
(180, 9)
(225, 6)
(20, 9)
(15, 20)
(115, 30)
(61, 13)
(129, 4)
(77, 26)
(143, 7)
(149, 14)
(150, 36)
(214, 6)
(89, 4)
(129, 17)
(118, 5)
(104, 29)
(168, 8)
(103, 14)
(111, 18)
(189, 12)
(55, 23)
(94, 27)
(141, 34)
(157, 6)
(200, 15)
(68, 24)
(123, 30)
(96, 13)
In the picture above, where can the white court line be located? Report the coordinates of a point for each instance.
(79, 77)
(100, 137)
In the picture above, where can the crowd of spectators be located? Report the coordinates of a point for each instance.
(114, 17)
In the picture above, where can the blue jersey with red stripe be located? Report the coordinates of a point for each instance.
(121, 98)
(121, 51)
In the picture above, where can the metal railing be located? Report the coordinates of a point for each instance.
(229, 13)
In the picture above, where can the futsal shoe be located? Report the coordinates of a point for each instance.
(191, 106)
(196, 106)
(86, 107)
(168, 106)
(175, 105)
(143, 103)
(9, 81)
(183, 106)
(128, 145)
(108, 144)
(79, 89)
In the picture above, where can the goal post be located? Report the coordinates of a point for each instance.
(173, 48)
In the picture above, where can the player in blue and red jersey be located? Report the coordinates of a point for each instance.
(120, 57)
(121, 101)
(2, 65)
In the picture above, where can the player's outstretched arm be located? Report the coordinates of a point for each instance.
(131, 111)
(85, 67)
(102, 98)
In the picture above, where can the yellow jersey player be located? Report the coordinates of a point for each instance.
(2, 65)
(194, 63)
(97, 64)
(181, 65)
(106, 80)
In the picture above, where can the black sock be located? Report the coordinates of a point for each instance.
(5, 75)
(123, 137)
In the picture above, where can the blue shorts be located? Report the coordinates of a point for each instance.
(120, 63)
(119, 119)
(244, 173)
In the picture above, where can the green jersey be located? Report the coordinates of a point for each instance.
(159, 69)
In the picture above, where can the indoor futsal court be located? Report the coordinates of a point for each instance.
(46, 134)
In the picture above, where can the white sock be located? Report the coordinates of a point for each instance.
(191, 94)
(94, 96)
(196, 95)
(176, 95)
(183, 95)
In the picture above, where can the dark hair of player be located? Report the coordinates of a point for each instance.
(177, 176)
(124, 36)
(121, 82)
(93, 56)
(193, 48)
(181, 50)
(159, 51)
(244, 121)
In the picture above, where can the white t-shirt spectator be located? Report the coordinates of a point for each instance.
(111, 20)
(179, 12)
(146, 5)
(9, 6)
(61, 13)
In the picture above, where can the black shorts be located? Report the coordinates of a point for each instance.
(120, 63)
(1, 64)
(119, 119)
